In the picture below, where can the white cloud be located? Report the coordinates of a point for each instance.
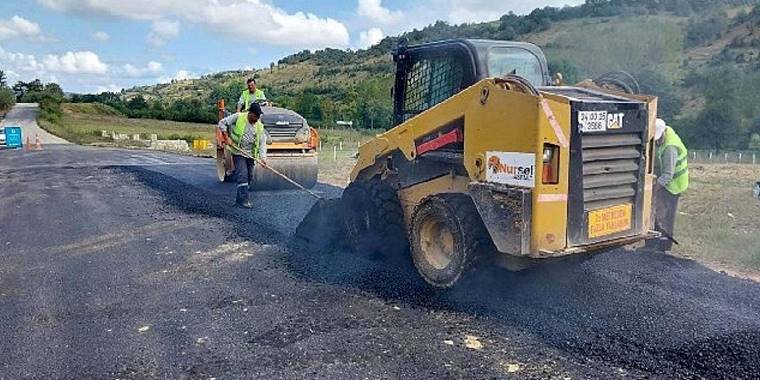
(19, 27)
(467, 11)
(80, 62)
(273, 25)
(370, 37)
(107, 88)
(71, 69)
(162, 31)
(374, 10)
(178, 76)
(80, 71)
(101, 36)
(20, 62)
(152, 69)
(134, 9)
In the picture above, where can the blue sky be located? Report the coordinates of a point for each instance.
(98, 45)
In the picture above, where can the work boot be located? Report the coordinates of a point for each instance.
(243, 198)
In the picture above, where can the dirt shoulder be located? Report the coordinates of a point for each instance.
(718, 221)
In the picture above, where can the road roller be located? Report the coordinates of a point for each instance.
(291, 150)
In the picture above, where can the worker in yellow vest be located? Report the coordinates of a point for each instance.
(245, 131)
(250, 95)
(672, 171)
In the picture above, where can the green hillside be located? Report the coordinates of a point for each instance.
(700, 57)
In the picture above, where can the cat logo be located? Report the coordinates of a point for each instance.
(615, 120)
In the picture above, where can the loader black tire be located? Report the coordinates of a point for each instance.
(374, 220)
(447, 238)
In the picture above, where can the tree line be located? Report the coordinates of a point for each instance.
(49, 96)
(140, 107)
(367, 104)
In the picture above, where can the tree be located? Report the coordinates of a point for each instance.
(54, 89)
(137, 103)
(720, 127)
(35, 86)
(374, 108)
(3, 79)
(7, 99)
(654, 82)
(307, 104)
(20, 89)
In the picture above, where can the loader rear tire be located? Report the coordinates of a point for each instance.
(447, 236)
(373, 219)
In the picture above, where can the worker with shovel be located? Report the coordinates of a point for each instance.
(245, 135)
(672, 180)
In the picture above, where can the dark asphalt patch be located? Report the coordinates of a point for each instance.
(195, 201)
(74, 313)
(641, 311)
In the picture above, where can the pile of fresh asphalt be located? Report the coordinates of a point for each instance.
(642, 311)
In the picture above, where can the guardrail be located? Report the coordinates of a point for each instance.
(734, 157)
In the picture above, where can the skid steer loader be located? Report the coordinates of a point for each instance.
(291, 149)
(488, 156)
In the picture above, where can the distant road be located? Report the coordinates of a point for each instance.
(24, 115)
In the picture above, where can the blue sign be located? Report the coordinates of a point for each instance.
(13, 137)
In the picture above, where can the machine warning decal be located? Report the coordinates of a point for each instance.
(599, 121)
(516, 169)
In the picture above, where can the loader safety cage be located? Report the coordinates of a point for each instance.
(431, 73)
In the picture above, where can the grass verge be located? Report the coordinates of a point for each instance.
(719, 220)
(82, 124)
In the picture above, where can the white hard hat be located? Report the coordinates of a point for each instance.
(659, 128)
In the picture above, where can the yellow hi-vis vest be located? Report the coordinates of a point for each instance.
(680, 181)
(259, 95)
(237, 133)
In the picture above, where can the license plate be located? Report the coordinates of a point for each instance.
(608, 221)
(592, 121)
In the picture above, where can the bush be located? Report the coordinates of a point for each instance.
(50, 109)
(706, 30)
(754, 142)
(7, 99)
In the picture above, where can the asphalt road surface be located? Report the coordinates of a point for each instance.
(131, 264)
(24, 115)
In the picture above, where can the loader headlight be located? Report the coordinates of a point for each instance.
(303, 135)
(550, 172)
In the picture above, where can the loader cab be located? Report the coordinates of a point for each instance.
(431, 73)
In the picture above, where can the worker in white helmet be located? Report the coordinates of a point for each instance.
(672, 171)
